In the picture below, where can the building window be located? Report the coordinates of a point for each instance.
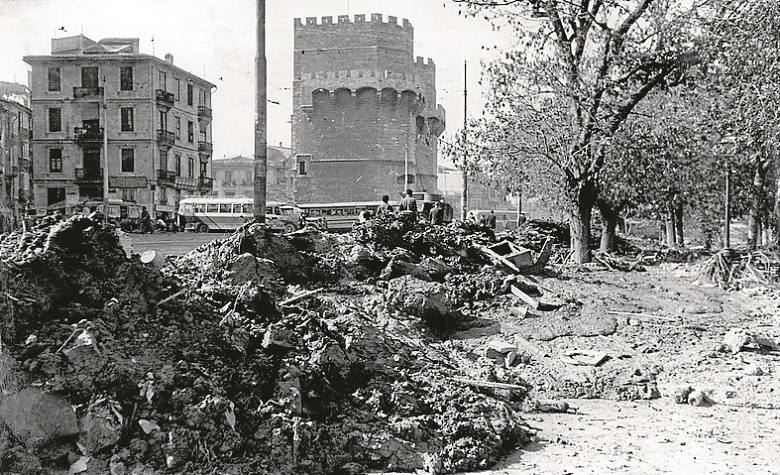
(401, 180)
(178, 164)
(54, 79)
(89, 77)
(163, 160)
(201, 96)
(190, 167)
(177, 87)
(189, 94)
(163, 196)
(190, 131)
(302, 163)
(55, 160)
(163, 120)
(163, 80)
(128, 122)
(178, 127)
(301, 168)
(203, 166)
(128, 194)
(128, 160)
(126, 78)
(55, 119)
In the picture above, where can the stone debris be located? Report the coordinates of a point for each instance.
(738, 339)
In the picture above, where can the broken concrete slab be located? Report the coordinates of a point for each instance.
(33, 415)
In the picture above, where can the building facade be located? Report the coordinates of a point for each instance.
(235, 176)
(15, 150)
(152, 117)
(365, 119)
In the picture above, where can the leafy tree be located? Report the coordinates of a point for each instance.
(582, 65)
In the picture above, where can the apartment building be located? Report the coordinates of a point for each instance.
(150, 118)
(15, 158)
(235, 176)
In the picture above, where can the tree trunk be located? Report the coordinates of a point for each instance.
(754, 218)
(582, 196)
(609, 218)
(678, 223)
(670, 235)
(776, 224)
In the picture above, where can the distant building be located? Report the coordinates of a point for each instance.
(155, 115)
(15, 151)
(480, 196)
(234, 176)
(365, 119)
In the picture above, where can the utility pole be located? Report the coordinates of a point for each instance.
(261, 124)
(464, 199)
(105, 150)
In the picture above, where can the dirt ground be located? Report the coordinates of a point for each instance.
(670, 344)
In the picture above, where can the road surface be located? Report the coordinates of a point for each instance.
(171, 244)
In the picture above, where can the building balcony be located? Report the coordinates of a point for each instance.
(204, 114)
(89, 175)
(188, 184)
(88, 135)
(164, 98)
(87, 92)
(165, 139)
(205, 184)
(26, 133)
(166, 176)
(205, 148)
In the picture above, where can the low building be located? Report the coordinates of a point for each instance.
(234, 176)
(15, 150)
(152, 118)
(480, 196)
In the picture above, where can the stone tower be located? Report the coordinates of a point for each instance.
(362, 105)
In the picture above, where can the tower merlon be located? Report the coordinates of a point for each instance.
(374, 18)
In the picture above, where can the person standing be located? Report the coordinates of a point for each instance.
(492, 220)
(437, 213)
(146, 221)
(408, 203)
(384, 207)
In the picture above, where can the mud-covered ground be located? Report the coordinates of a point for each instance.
(672, 342)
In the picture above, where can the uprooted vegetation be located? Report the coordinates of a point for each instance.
(204, 366)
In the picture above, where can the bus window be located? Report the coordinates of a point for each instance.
(188, 209)
(338, 212)
(236, 208)
(212, 208)
(315, 212)
(248, 209)
(199, 208)
(225, 208)
(275, 210)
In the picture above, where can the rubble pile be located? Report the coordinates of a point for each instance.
(222, 361)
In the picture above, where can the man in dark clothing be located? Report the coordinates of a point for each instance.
(384, 207)
(437, 214)
(492, 220)
(146, 222)
(408, 203)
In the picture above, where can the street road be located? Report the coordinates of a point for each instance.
(171, 244)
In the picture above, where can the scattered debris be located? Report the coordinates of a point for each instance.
(699, 398)
(738, 339)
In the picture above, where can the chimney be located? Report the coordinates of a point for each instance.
(168, 58)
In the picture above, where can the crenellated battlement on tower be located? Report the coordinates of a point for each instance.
(372, 74)
(360, 19)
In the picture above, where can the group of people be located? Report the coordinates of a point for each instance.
(487, 220)
(409, 203)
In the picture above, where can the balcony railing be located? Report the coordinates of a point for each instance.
(84, 135)
(164, 97)
(89, 175)
(204, 114)
(166, 176)
(205, 184)
(186, 183)
(205, 148)
(165, 138)
(79, 92)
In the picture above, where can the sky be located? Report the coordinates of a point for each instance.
(216, 40)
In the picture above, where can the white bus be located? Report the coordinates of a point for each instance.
(342, 216)
(228, 214)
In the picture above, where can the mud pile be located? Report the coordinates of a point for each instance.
(203, 366)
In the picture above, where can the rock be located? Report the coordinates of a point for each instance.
(735, 339)
(699, 398)
(426, 300)
(248, 268)
(99, 429)
(397, 268)
(712, 307)
(681, 394)
(754, 370)
(435, 268)
(510, 358)
(278, 337)
(501, 346)
(33, 414)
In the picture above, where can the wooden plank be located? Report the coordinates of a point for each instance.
(489, 384)
(498, 259)
(299, 297)
(530, 301)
